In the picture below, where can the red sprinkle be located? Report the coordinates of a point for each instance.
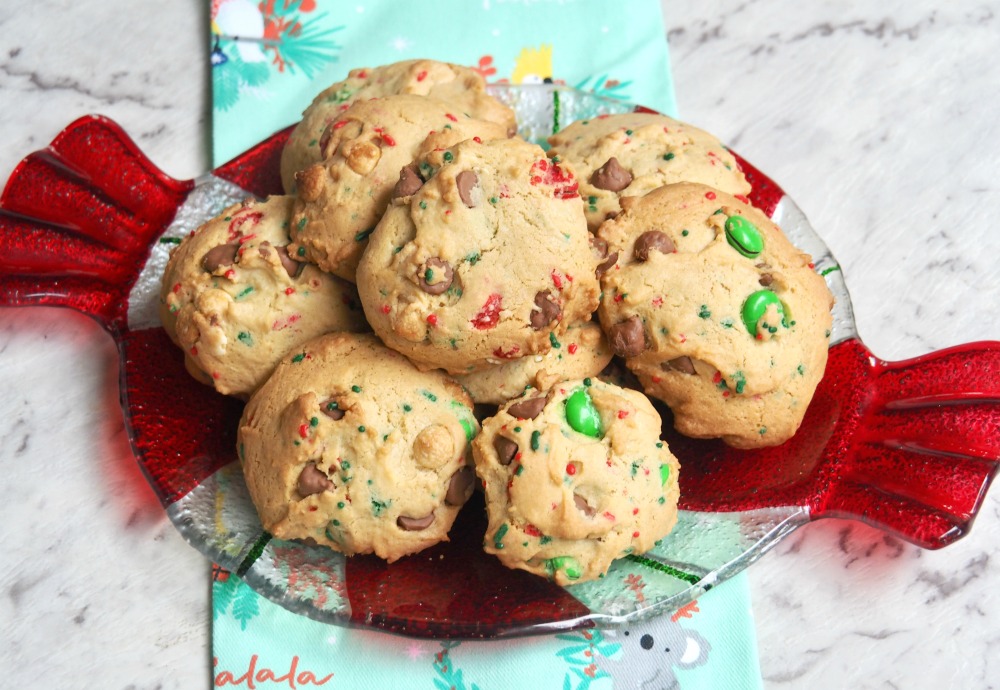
(338, 125)
(570, 469)
(193, 351)
(421, 75)
(635, 511)
(532, 531)
(236, 225)
(489, 316)
(432, 319)
(477, 140)
(609, 515)
(386, 308)
(742, 198)
(362, 75)
(303, 430)
(289, 290)
(176, 288)
(635, 535)
(622, 414)
(657, 301)
(656, 379)
(451, 117)
(509, 354)
(572, 348)
(216, 375)
(556, 279)
(709, 195)
(230, 274)
(717, 377)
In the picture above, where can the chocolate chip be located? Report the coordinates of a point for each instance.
(766, 279)
(681, 364)
(611, 176)
(547, 312)
(460, 486)
(409, 181)
(583, 506)
(505, 448)
(465, 181)
(527, 409)
(649, 241)
(312, 481)
(331, 409)
(627, 338)
(217, 257)
(600, 249)
(292, 267)
(606, 265)
(436, 276)
(415, 524)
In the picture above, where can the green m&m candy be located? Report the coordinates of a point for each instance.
(569, 565)
(582, 415)
(743, 236)
(756, 305)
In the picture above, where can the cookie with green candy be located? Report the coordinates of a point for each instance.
(350, 446)
(575, 478)
(716, 313)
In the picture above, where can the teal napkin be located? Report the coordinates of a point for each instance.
(710, 643)
(269, 59)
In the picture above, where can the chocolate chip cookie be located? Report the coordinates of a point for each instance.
(580, 352)
(574, 479)
(236, 300)
(342, 199)
(488, 260)
(716, 313)
(463, 89)
(631, 154)
(349, 445)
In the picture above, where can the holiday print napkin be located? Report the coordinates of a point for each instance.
(269, 59)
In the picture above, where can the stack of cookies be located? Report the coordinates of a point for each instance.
(420, 308)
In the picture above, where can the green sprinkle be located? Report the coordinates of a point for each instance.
(685, 233)
(494, 200)
(379, 506)
(824, 272)
(428, 275)
(727, 323)
(422, 205)
(545, 539)
(473, 258)
(535, 438)
(628, 132)
(301, 224)
(704, 313)
(801, 369)
(170, 240)
(314, 421)
(448, 157)
(668, 156)
(430, 396)
(498, 537)
(519, 470)
(407, 407)
(362, 428)
(763, 430)
(245, 338)
(345, 465)
(340, 504)
(299, 357)
(243, 293)
(470, 431)
(555, 343)
(356, 389)
(587, 382)
(517, 430)
(301, 251)
(363, 235)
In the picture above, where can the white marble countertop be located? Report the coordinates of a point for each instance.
(879, 119)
